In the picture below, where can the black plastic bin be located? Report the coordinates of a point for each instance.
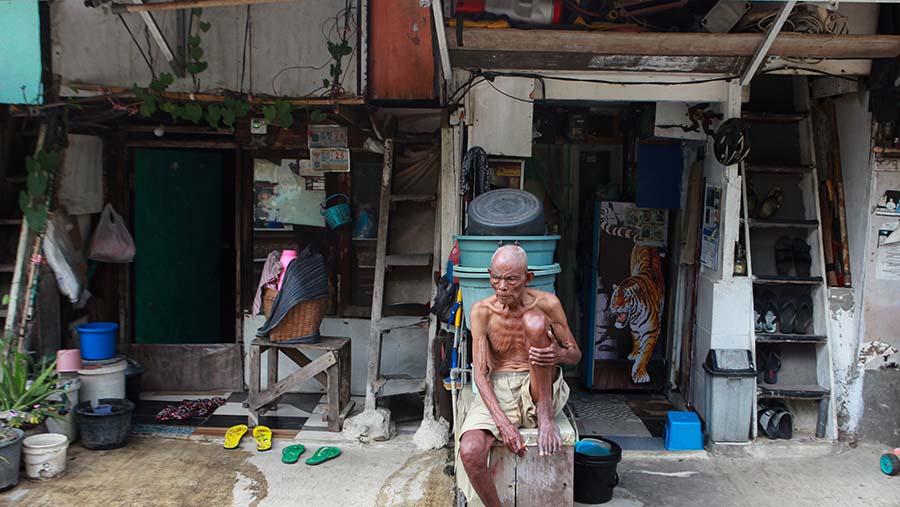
(596, 476)
(101, 431)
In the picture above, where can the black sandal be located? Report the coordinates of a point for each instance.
(802, 259)
(804, 315)
(784, 256)
(788, 317)
(770, 305)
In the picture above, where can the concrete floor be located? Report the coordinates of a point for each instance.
(168, 472)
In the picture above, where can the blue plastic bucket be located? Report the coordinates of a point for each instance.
(475, 283)
(476, 251)
(98, 340)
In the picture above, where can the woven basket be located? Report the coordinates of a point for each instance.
(302, 320)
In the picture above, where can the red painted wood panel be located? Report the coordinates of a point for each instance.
(401, 59)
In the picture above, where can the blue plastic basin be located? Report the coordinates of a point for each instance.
(98, 340)
(476, 251)
(475, 283)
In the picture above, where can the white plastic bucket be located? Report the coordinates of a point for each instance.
(68, 426)
(103, 382)
(45, 455)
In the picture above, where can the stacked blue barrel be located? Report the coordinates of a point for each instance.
(497, 218)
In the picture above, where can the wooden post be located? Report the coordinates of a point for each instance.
(378, 287)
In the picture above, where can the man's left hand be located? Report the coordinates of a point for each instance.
(547, 356)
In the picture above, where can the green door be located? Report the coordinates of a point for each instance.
(178, 235)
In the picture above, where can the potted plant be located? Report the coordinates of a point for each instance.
(25, 389)
(10, 456)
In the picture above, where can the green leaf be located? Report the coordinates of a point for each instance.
(32, 165)
(283, 107)
(213, 114)
(193, 112)
(204, 26)
(166, 78)
(168, 107)
(229, 102)
(37, 217)
(24, 201)
(197, 11)
(52, 161)
(193, 41)
(36, 183)
(228, 117)
(196, 52)
(4, 300)
(285, 121)
(196, 67)
(270, 113)
(317, 116)
(326, 83)
(147, 109)
(241, 108)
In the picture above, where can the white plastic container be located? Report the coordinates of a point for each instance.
(68, 426)
(45, 455)
(103, 382)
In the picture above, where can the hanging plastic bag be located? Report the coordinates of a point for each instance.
(112, 242)
(63, 258)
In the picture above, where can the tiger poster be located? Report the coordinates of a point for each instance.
(628, 334)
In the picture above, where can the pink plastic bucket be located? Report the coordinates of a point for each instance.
(68, 360)
(286, 257)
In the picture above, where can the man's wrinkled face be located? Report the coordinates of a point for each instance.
(509, 276)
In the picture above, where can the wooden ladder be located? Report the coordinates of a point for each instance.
(806, 372)
(379, 385)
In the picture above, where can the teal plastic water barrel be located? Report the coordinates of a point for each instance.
(475, 283)
(476, 251)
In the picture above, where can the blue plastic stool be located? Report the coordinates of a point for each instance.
(683, 432)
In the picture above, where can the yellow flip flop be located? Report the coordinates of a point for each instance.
(234, 435)
(263, 437)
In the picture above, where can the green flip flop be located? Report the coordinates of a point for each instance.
(291, 453)
(322, 455)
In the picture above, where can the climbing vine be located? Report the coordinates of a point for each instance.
(33, 200)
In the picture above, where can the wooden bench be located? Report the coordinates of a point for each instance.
(533, 480)
(331, 369)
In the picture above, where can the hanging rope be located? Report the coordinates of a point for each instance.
(475, 159)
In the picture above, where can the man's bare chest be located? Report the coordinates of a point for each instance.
(506, 335)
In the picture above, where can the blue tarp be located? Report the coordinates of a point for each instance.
(20, 52)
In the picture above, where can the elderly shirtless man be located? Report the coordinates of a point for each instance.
(519, 336)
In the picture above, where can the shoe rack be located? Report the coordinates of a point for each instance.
(783, 236)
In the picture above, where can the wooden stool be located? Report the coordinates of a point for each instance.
(331, 369)
(532, 480)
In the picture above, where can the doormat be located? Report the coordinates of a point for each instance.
(292, 412)
(606, 415)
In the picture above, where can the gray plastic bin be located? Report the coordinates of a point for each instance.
(729, 394)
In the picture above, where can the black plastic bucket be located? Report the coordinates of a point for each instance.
(104, 431)
(595, 475)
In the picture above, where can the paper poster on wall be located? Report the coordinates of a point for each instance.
(286, 200)
(327, 136)
(887, 266)
(330, 159)
(709, 240)
(630, 292)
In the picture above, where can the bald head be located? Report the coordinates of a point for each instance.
(510, 256)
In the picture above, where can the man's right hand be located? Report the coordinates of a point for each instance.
(512, 439)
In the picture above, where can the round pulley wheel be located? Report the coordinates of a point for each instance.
(731, 143)
(506, 212)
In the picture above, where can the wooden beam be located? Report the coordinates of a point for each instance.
(767, 42)
(190, 4)
(568, 42)
(89, 89)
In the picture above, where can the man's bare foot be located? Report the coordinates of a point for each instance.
(549, 439)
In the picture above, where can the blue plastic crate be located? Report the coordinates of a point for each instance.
(683, 432)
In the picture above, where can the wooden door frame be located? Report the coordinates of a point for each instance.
(121, 194)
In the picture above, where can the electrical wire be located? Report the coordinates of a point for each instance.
(244, 56)
(133, 38)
